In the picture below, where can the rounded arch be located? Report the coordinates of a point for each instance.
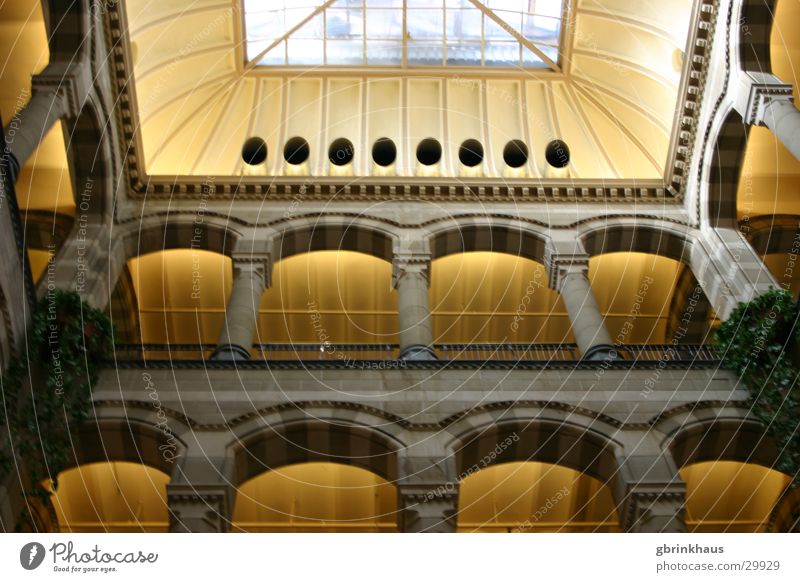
(163, 233)
(722, 183)
(730, 439)
(774, 233)
(69, 26)
(640, 236)
(547, 441)
(755, 29)
(309, 441)
(499, 237)
(304, 236)
(126, 440)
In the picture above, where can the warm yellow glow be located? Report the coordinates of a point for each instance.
(38, 261)
(182, 295)
(486, 297)
(534, 497)
(786, 271)
(44, 182)
(335, 296)
(725, 496)
(324, 497)
(112, 497)
(634, 292)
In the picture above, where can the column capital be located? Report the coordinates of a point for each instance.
(757, 91)
(408, 263)
(71, 82)
(653, 507)
(260, 268)
(427, 509)
(199, 508)
(561, 266)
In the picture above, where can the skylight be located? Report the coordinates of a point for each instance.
(400, 33)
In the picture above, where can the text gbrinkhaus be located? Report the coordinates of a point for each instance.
(96, 555)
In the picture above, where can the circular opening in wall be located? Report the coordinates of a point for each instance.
(384, 152)
(515, 154)
(557, 154)
(470, 153)
(254, 151)
(429, 152)
(341, 151)
(296, 150)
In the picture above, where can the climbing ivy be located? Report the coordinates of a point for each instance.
(760, 342)
(46, 391)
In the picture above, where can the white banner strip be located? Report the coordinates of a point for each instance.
(399, 557)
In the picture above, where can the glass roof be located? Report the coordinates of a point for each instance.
(470, 33)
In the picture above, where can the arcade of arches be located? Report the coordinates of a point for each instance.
(466, 290)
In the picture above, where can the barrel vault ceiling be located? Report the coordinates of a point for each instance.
(616, 98)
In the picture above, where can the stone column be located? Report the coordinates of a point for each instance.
(428, 496)
(568, 276)
(764, 99)
(251, 274)
(410, 276)
(650, 495)
(57, 92)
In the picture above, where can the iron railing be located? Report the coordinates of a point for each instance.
(542, 353)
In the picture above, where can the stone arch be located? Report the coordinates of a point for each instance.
(722, 183)
(306, 441)
(774, 233)
(165, 233)
(728, 439)
(547, 441)
(306, 235)
(755, 29)
(641, 236)
(469, 235)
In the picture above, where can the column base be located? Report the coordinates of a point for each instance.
(601, 353)
(230, 353)
(418, 352)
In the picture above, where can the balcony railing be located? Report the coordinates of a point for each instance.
(351, 353)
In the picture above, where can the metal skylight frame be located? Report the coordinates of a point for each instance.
(487, 12)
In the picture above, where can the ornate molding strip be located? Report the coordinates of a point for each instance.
(671, 190)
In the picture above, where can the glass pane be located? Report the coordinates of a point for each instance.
(305, 51)
(425, 53)
(345, 52)
(385, 3)
(384, 52)
(425, 23)
(498, 53)
(463, 24)
(549, 8)
(264, 25)
(531, 59)
(466, 54)
(511, 21)
(517, 5)
(542, 29)
(276, 56)
(384, 23)
(347, 23)
(311, 29)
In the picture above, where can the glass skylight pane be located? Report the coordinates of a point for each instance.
(305, 52)
(346, 23)
(464, 54)
(384, 52)
(345, 52)
(425, 53)
(549, 8)
(384, 23)
(433, 32)
(498, 53)
(424, 23)
(463, 24)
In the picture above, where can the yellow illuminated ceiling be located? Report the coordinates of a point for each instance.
(725, 496)
(634, 292)
(44, 182)
(316, 497)
(531, 497)
(614, 103)
(112, 497)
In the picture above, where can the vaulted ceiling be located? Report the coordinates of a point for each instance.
(613, 100)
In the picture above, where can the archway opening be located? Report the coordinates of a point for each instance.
(529, 497)
(316, 497)
(494, 297)
(112, 497)
(729, 496)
